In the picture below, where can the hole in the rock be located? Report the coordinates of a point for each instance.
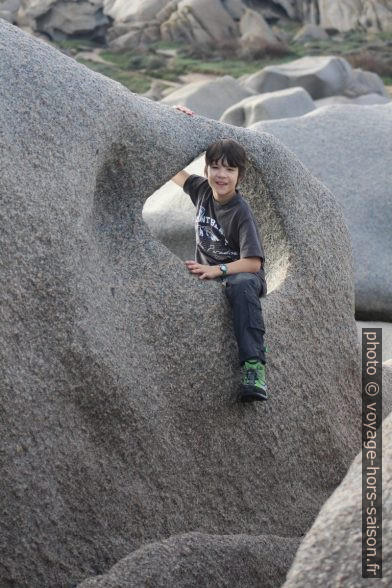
(170, 216)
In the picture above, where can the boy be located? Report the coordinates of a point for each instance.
(228, 246)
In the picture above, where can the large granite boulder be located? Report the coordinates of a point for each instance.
(198, 559)
(345, 15)
(311, 32)
(320, 76)
(9, 9)
(255, 31)
(60, 19)
(334, 143)
(119, 369)
(364, 100)
(200, 21)
(136, 11)
(209, 98)
(365, 82)
(331, 553)
(271, 105)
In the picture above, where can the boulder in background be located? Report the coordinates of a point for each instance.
(209, 98)
(271, 105)
(333, 148)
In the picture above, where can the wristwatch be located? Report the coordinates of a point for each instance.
(223, 269)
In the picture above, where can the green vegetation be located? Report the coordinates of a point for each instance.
(75, 44)
(136, 68)
(154, 64)
(134, 81)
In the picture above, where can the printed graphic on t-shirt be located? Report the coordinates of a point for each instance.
(210, 237)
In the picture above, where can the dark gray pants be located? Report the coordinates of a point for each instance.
(243, 291)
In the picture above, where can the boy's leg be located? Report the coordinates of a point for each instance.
(243, 292)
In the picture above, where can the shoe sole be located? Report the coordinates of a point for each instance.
(252, 395)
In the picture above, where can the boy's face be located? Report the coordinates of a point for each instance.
(223, 179)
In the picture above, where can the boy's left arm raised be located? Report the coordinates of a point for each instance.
(180, 178)
(183, 175)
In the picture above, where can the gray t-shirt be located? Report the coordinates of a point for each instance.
(224, 232)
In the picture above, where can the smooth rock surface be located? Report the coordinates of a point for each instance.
(59, 18)
(271, 105)
(119, 369)
(364, 82)
(365, 100)
(320, 76)
(197, 559)
(210, 98)
(331, 553)
(333, 148)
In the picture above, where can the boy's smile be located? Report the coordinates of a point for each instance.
(223, 180)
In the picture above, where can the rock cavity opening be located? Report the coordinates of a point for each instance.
(170, 216)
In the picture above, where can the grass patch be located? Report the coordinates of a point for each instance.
(75, 44)
(134, 81)
(135, 68)
(120, 59)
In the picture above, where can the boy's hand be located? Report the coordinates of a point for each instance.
(184, 109)
(205, 272)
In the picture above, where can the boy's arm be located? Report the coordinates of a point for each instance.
(246, 264)
(180, 178)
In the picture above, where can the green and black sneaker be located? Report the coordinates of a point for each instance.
(253, 386)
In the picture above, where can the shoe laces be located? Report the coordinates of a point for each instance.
(251, 376)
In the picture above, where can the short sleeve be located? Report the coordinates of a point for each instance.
(249, 238)
(194, 186)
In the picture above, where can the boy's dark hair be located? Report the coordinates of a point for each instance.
(230, 152)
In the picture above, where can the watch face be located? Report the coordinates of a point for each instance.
(223, 268)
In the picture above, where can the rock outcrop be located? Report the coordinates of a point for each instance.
(346, 15)
(333, 148)
(364, 100)
(311, 32)
(209, 98)
(197, 559)
(127, 24)
(118, 425)
(271, 105)
(331, 553)
(9, 9)
(60, 19)
(320, 76)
